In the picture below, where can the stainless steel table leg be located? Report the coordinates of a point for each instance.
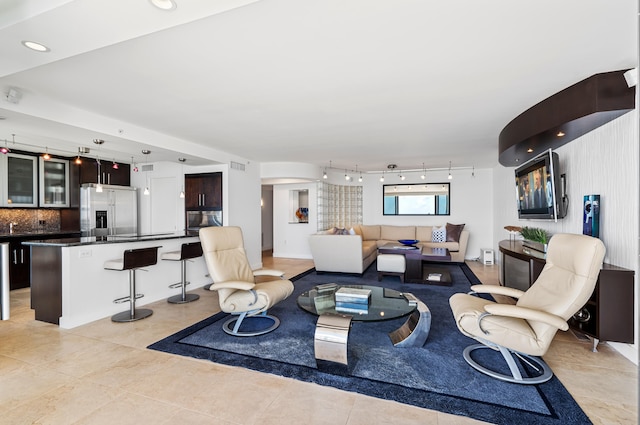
(331, 336)
(415, 331)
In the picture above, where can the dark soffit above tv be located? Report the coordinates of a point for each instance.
(573, 112)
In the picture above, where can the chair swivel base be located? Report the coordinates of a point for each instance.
(542, 375)
(125, 316)
(179, 299)
(232, 327)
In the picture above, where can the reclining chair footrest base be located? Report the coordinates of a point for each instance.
(125, 316)
(177, 299)
(230, 324)
(544, 375)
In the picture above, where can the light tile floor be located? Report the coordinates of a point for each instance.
(101, 373)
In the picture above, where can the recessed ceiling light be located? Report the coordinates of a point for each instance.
(35, 46)
(529, 150)
(560, 134)
(164, 4)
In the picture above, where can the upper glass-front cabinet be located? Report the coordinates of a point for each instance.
(19, 185)
(54, 183)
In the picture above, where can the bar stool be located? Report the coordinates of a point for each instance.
(187, 251)
(133, 259)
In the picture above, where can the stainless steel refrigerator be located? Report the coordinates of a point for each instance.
(110, 212)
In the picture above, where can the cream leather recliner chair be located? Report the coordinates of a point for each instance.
(527, 328)
(239, 295)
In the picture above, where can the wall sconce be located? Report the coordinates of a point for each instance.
(46, 155)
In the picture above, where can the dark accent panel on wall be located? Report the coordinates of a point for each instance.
(574, 111)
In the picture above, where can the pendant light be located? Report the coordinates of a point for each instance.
(99, 184)
(146, 174)
(5, 149)
(98, 142)
(182, 160)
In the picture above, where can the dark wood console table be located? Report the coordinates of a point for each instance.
(607, 316)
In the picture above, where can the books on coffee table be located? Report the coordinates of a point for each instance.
(353, 295)
(436, 277)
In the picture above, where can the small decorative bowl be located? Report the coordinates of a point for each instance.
(408, 241)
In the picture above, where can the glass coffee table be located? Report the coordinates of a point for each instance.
(384, 304)
(334, 322)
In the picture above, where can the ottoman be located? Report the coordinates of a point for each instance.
(391, 264)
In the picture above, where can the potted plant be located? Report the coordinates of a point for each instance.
(535, 238)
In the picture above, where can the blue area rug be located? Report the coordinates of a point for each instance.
(434, 376)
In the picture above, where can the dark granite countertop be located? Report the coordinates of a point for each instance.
(37, 234)
(93, 240)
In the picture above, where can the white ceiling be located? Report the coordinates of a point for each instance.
(354, 82)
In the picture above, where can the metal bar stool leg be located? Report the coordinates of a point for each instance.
(183, 297)
(133, 314)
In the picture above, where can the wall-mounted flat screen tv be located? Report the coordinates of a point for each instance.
(538, 190)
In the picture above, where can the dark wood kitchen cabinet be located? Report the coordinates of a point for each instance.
(203, 191)
(89, 172)
(19, 265)
(20, 256)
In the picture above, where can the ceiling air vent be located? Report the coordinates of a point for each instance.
(237, 166)
(147, 167)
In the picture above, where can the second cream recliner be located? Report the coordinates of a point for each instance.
(233, 279)
(526, 329)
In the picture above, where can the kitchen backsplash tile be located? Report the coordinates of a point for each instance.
(29, 220)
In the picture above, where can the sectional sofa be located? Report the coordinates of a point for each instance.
(353, 250)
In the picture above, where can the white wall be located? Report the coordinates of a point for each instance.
(240, 198)
(163, 202)
(605, 162)
(291, 240)
(471, 203)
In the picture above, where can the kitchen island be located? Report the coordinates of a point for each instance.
(70, 286)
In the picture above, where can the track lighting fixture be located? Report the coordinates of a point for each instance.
(350, 174)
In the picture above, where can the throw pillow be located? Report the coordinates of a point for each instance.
(439, 234)
(453, 232)
(352, 232)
